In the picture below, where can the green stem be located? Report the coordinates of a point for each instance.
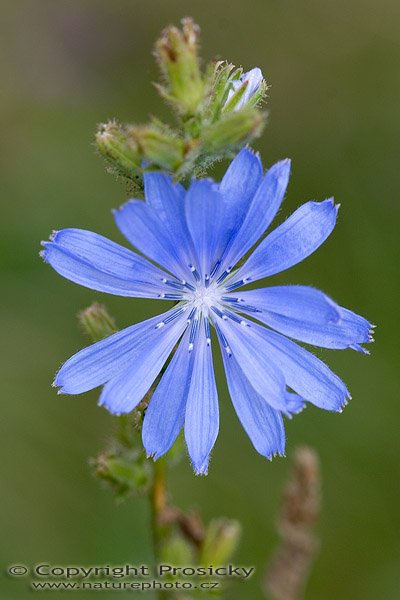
(158, 502)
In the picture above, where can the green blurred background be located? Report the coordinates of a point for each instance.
(334, 73)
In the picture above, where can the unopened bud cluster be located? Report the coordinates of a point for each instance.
(216, 112)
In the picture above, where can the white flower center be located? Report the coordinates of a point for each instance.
(204, 297)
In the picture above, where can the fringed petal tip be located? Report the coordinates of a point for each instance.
(344, 404)
(45, 243)
(62, 392)
(276, 454)
(57, 384)
(331, 202)
(285, 162)
(201, 468)
(251, 151)
(289, 414)
(43, 252)
(366, 338)
(371, 332)
(154, 455)
(359, 348)
(115, 211)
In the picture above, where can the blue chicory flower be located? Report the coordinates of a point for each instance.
(193, 239)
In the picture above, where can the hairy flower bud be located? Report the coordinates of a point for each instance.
(159, 148)
(126, 471)
(119, 149)
(177, 54)
(96, 322)
(232, 131)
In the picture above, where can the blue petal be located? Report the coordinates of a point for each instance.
(290, 243)
(202, 416)
(161, 193)
(253, 79)
(295, 404)
(168, 200)
(141, 226)
(165, 414)
(106, 359)
(204, 213)
(99, 264)
(122, 393)
(308, 315)
(263, 375)
(263, 424)
(304, 373)
(239, 185)
(261, 212)
(240, 182)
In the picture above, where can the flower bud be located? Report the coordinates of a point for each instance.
(234, 129)
(127, 472)
(220, 542)
(96, 322)
(158, 148)
(119, 149)
(177, 54)
(247, 90)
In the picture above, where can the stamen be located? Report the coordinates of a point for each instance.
(207, 330)
(174, 284)
(217, 311)
(193, 334)
(233, 286)
(249, 308)
(195, 272)
(230, 299)
(171, 296)
(224, 274)
(232, 316)
(223, 340)
(189, 286)
(207, 281)
(191, 315)
(176, 313)
(215, 268)
(238, 301)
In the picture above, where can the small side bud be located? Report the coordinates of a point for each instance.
(119, 149)
(96, 322)
(220, 542)
(233, 130)
(127, 472)
(158, 148)
(177, 54)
